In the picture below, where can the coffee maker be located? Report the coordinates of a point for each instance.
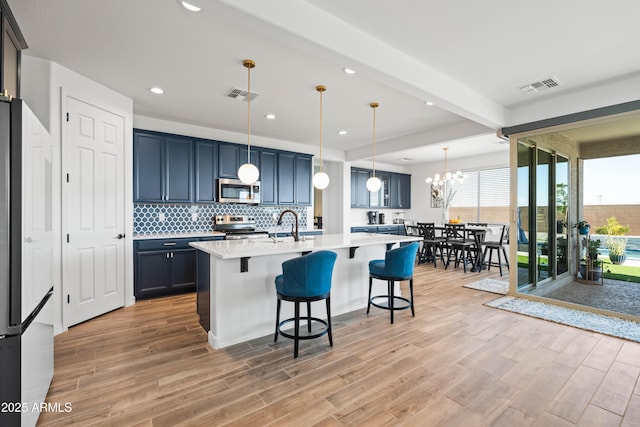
(373, 217)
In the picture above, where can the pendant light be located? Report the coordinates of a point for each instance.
(320, 179)
(374, 183)
(248, 173)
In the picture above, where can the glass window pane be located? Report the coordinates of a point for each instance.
(494, 195)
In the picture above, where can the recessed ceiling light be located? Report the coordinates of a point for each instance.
(270, 116)
(429, 103)
(342, 132)
(348, 70)
(190, 7)
(405, 159)
(157, 90)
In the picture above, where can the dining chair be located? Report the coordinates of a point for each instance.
(431, 244)
(459, 247)
(499, 247)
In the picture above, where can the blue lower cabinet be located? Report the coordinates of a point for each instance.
(165, 266)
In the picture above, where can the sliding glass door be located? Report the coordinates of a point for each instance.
(543, 203)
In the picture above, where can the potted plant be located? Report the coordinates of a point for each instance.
(590, 266)
(615, 242)
(583, 227)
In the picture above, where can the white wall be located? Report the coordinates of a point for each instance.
(43, 85)
(421, 209)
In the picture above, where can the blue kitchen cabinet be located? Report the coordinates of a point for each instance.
(232, 156)
(206, 171)
(165, 266)
(179, 169)
(381, 198)
(228, 160)
(162, 168)
(268, 177)
(303, 173)
(359, 192)
(286, 182)
(148, 167)
(400, 191)
(294, 179)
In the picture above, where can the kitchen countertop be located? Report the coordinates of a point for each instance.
(177, 235)
(232, 249)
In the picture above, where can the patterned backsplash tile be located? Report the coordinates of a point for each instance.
(156, 219)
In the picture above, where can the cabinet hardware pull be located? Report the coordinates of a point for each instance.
(169, 244)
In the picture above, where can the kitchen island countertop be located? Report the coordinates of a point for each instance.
(231, 249)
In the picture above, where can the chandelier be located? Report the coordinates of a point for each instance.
(446, 176)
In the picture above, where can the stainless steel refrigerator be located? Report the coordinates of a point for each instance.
(26, 259)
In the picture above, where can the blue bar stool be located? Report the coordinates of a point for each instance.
(397, 265)
(305, 279)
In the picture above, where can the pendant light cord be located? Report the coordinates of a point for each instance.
(249, 64)
(249, 115)
(320, 89)
(374, 105)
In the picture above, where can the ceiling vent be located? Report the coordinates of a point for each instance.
(240, 94)
(541, 85)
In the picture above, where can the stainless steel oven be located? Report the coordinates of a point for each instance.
(236, 191)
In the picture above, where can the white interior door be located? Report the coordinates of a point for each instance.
(93, 200)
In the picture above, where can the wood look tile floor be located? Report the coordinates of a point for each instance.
(457, 363)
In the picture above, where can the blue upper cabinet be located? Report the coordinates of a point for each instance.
(179, 169)
(268, 177)
(400, 191)
(294, 179)
(286, 182)
(206, 171)
(163, 168)
(395, 191)
(359, 192)
(232, 156)
(148, 158)
(303, 173)
(228, 160)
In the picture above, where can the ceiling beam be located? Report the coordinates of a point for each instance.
(463, 129)
(379, 60)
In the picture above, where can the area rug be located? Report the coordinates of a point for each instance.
(489, 285)
(607, 325)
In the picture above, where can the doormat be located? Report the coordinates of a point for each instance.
(489, 285)
(608, 325)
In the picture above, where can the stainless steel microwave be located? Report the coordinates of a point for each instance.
(236, 191)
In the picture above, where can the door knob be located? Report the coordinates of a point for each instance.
(120, 236)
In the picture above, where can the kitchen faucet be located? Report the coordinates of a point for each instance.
(294, 231)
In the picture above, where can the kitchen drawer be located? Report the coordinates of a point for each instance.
(164, 244)
(373, 229)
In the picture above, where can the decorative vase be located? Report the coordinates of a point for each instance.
(445, 216)
(617, 259)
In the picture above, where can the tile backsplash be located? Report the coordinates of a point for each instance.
(157, 218)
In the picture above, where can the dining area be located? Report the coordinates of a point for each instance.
(471, 246)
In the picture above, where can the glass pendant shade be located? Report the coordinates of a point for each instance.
(248, 173)
(374, 184)
(438, 179)
(321, 180)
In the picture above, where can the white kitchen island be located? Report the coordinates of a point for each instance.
(235, 280)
